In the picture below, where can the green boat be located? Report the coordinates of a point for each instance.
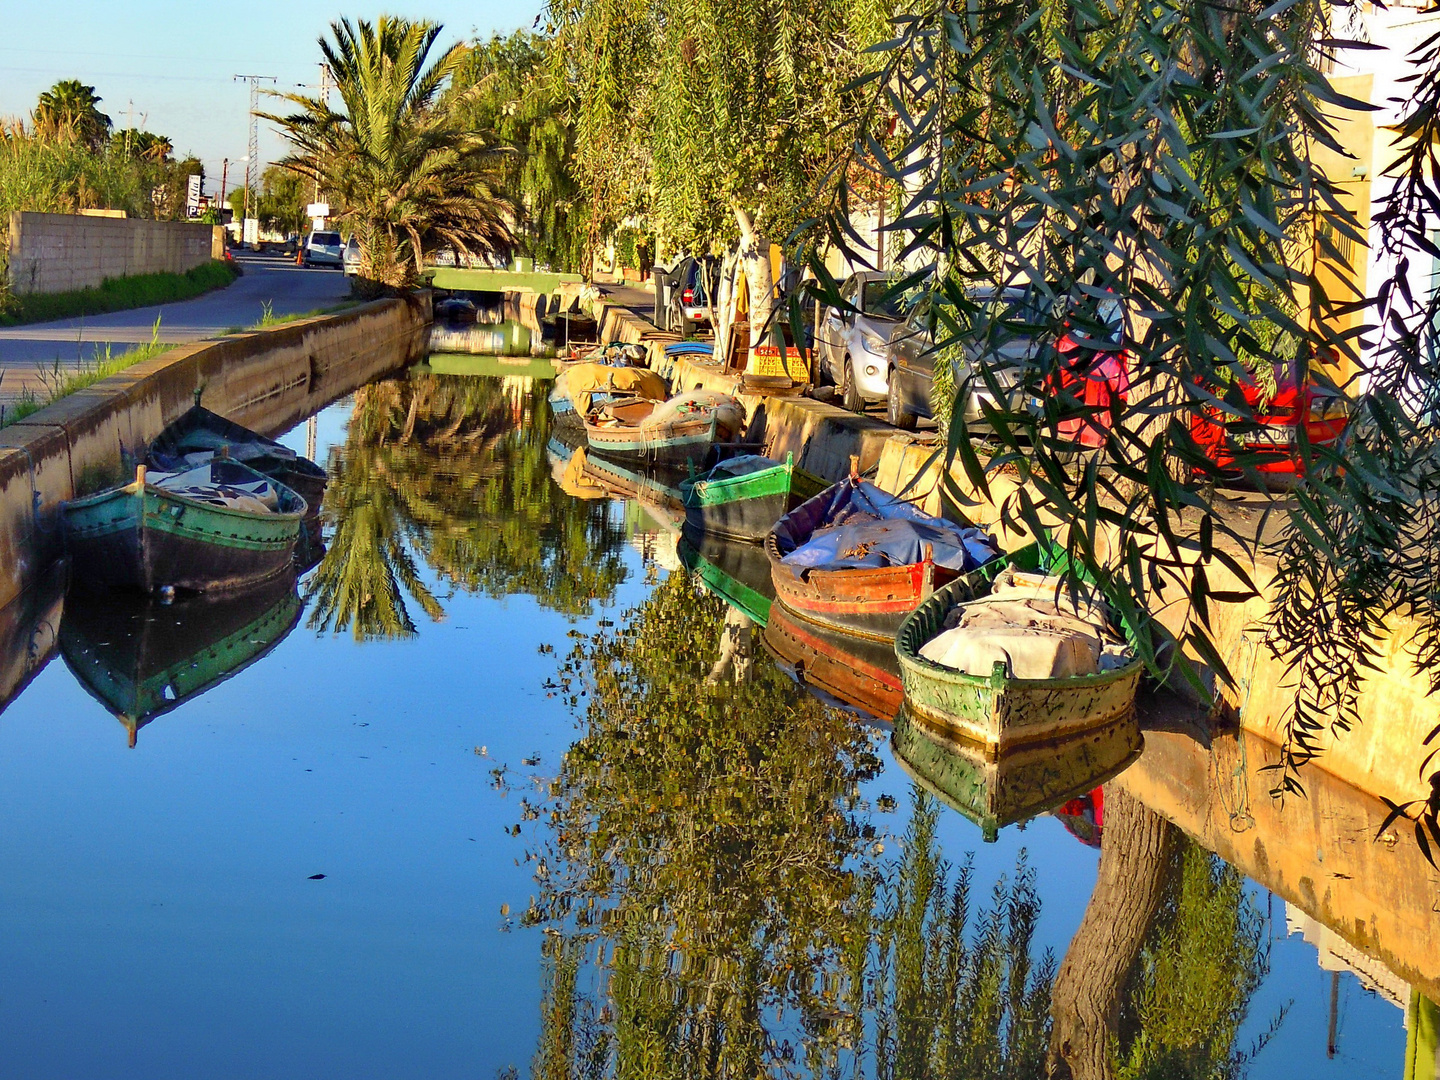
(1018, 785)
(742, 498)
(737, 573)
(141, 658)
(146, 536)
(996, 711)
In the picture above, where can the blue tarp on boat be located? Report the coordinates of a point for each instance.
(864, 527)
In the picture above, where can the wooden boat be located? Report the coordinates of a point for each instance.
(143, 536)
(1020, 784)
(678, 432)
(141, 658)
(200, 435)
(742, 498)
(737, 573)
(996, 711)
(869, 602)
(855, 672)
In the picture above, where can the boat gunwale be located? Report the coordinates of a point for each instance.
(129, 491)
(910, 658)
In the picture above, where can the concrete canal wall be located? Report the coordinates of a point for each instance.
(60, 252)
(1322, 854)
(265, 379)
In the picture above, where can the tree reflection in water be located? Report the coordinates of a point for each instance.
(717, 903)
(452, 470)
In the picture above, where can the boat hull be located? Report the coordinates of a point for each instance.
(746, 507)
(149, 539)
(869, 603)
(679, 449)
(995, 711)
(1020, 785)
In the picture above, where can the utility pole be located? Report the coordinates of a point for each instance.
(324, 100)
(224, 176)
(252, 160)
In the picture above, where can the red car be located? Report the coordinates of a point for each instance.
(1275, 438)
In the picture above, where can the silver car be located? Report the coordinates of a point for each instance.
(851, 343)
(323, 249)
(352, 256)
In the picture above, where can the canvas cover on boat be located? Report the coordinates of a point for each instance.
(729, 413)
(863, 527)
(255, 497)
(743, 465)
(583, 380)
(1032, 625)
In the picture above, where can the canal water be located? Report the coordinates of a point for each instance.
(482, 798)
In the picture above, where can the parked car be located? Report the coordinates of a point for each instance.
(911, 355)
(851, 339)
(682, 293)
(351, 258)
(1274, 437)
(323, 249)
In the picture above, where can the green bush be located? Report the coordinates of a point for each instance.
(118, 294)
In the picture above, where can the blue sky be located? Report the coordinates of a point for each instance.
(175, 61)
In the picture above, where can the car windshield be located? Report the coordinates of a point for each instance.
(331, 239)
(877, 303)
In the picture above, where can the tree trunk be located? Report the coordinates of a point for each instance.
(755, 254)
(1135, 863)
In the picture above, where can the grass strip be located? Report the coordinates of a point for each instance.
(118, 294)
(268, 318)
(60, 382)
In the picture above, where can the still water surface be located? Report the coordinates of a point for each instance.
(548, 844)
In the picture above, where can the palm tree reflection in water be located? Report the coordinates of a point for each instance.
(717, 901)
(451, 471)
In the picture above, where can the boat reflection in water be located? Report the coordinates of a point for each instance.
(855, 672)
(141, 658)
(739, 574)
(998, 790)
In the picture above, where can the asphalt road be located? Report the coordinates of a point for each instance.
(27, 351)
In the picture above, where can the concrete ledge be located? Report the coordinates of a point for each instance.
(266, 379)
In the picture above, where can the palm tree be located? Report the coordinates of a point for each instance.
(70, 109)
(403, 168)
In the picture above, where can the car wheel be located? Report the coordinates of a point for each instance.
(849, 395)
(895, 408)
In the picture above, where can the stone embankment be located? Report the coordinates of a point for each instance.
(265, 379)
(1383, 756)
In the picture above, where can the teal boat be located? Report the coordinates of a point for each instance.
(1018, 785)
(743, 497)
(996, 711)
(220, 526)
(141, 658)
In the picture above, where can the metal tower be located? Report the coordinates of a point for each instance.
(252, 158)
